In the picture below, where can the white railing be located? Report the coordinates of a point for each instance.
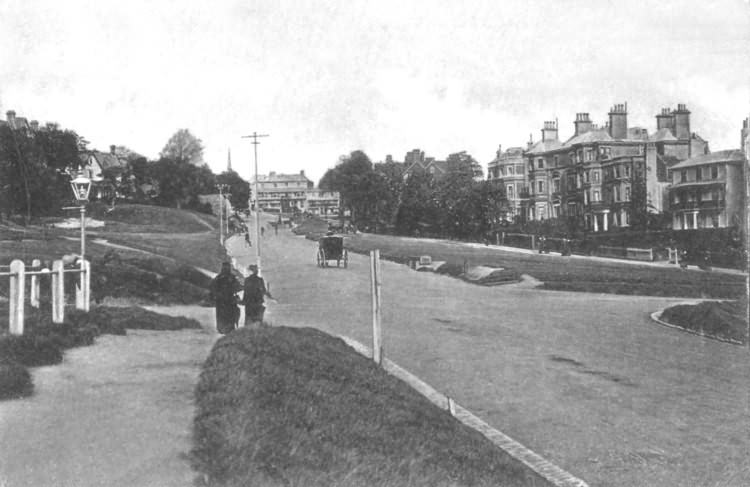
(17, 273)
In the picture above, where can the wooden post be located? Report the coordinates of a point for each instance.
(502, 242)
(86, 268)
(377, 343)
(34, 291)
(17, 281)
(58, 292)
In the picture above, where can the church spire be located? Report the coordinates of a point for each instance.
(229, 160)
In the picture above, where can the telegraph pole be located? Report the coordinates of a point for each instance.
(255, 143)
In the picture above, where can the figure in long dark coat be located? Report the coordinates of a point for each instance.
(223, 289)
(253, 297)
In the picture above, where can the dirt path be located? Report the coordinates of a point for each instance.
(118, 413)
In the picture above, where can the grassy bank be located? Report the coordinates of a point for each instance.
(562, 273)
(297, 407)
(726, 320)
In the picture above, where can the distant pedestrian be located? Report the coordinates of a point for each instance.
(276, 229)
(254, 293)
(223, 289)
(262, 232)
(248, 243)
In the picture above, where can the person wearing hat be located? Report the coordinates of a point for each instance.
(254, 292)
(223, 289)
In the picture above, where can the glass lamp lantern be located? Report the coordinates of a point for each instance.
(81, 186)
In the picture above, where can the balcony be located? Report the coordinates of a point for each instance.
(699, 205)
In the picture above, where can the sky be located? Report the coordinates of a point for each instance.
(324, 78)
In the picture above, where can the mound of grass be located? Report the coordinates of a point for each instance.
(15, 380)
(30, 351)
(150, 218)
(312, 228)
(725, 319)
(294, 406)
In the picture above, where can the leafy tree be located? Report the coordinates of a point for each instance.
(390, 190)
(179, 184)
(418, 210)
(352, 178)
(238, 188)
(32, 166)
(184, 147)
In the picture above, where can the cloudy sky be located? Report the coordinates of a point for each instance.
(327, 77)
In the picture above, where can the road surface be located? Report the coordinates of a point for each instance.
(588, 381)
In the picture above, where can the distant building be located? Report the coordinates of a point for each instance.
(416, 162)
(290, 193)
(708, 191)
(509, 169)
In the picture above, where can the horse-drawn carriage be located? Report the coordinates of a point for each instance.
(331, 247)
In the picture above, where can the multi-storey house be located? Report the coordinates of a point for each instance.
(592, 176)
(509, 169)
(289, 193)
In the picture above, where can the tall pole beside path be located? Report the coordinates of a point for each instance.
(255, 143)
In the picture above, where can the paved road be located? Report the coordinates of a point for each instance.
(586, 380)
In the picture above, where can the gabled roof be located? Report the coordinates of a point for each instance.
(545, 146)
(280, 178)
(600, 135)
(663, 135)
(730, 156)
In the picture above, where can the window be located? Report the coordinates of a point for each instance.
(579, 155)
(540, 163)
(627, 171)
(627, 193)
(556, 183)
(571, 181)
(589, 155)
(540, 186)
(617, 193)
(556, 211)
(683, 176)
(714, 172)
(510, 170)
(555, 160)
(596, 195)
(509, 191)
(585, 197)
(596, 176)
(605, 152)
(502, 171)
(586, 176)
(698, 173)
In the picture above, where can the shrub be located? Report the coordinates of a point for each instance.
(115, 320)
(30, 351)
(15, 380)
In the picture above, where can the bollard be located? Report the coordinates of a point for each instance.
(58, 292)
(17, 281)
(34, 291)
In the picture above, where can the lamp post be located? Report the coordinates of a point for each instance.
(228, 197)
(81, 186)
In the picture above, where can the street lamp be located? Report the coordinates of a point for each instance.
(81, 186)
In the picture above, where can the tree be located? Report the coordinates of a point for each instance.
(184, 147)
(32, 169)
(237, 187)
(179, 184)
(418, 210)
(352, 178)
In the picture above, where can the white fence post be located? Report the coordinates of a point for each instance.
(377, 343)
(81, 287)
(58, 292)
(34, 291)
(17, 288)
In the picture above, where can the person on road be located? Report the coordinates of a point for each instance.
(255, 290)
(223, 289)
(262, 232)
(248, 243)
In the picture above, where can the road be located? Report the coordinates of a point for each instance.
(586, 380)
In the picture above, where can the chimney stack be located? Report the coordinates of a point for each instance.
(530, 143)
(618, 121)
(582, 124)
(549, 132)
(682, 122)
(302, 173)
(34, 124)
(112, 149)
(11, 117)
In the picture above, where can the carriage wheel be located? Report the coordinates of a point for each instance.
(346, 258)
(324, 258)
(320, 258)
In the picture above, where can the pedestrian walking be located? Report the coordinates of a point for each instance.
(262, 232)
(254, 293)
(248, 243)
(223, 289)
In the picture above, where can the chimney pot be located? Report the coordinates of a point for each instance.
(112, 149)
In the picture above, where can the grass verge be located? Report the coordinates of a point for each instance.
(44, 342)
(726, 320)
(562, 273)
(297, 407)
